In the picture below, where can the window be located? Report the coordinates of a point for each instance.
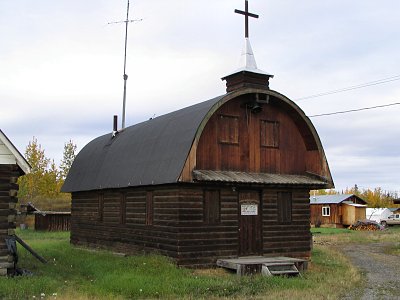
(123, 209)
(326, 211)
(269, 134)
(149, 208)
(284, 207)
(228, 128)
(212, 207)
(101, 207)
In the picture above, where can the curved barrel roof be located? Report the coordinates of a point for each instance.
(154, 152)
(151, 152)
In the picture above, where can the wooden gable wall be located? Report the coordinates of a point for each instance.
(6, 156)
(270, 141)
(335, 218)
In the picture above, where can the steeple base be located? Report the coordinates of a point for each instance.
(246, 79)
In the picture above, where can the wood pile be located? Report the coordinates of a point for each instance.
(366, 225)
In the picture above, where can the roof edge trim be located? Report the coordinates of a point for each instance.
(19, 159)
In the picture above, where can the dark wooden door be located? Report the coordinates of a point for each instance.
(250, 223)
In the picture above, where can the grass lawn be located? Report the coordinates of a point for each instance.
(340, 235)
(74, 273)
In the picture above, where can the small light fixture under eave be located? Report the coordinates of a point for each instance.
(254, 107)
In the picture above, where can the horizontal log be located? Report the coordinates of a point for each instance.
(286, 251)
(8, 186)
(6, 265)
(7, 212)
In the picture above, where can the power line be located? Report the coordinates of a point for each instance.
(350, 88)
(355, 110)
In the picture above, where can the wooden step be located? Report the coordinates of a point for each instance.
(280, 268)
(285, 272)
(268, 266)
(278, 264)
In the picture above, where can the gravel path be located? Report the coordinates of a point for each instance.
(382, 271)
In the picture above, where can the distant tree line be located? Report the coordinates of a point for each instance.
(43, 184)
(375, 198)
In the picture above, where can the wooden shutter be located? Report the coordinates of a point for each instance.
(269, 132)
(100, 207)
(212, 207)
(228, 129)
(149, 208)
(284, 207)
(123, 209)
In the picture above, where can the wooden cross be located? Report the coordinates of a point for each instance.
(247, 14)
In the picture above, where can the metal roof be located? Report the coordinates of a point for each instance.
(248, 61)
(354, 204)
(148, 153)
(255, 178)
(331, 199)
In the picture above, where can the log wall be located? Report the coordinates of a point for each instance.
(53, 222)
(125, 228)
(8, 198)
(292, 238)
(179, 227)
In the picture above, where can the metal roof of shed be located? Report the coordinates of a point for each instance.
(255, 178)
(331, 199)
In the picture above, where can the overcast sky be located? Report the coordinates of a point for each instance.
(61, 68)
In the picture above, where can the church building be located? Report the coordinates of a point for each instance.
(225, 178)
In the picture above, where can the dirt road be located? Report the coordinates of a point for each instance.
(382, 270)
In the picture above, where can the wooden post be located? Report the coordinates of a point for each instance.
(31, 251)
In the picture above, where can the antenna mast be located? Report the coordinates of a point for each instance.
(126, 46)
(125, 76)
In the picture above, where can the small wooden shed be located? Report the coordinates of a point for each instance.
(224, 178)
(47, 220)
(337, 210)
(12, 166)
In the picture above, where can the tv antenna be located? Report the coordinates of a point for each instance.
(126, 21)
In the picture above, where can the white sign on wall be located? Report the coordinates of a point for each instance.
(249, 209)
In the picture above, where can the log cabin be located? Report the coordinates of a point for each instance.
(12, 166)
(337, 211)
(224, 178)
